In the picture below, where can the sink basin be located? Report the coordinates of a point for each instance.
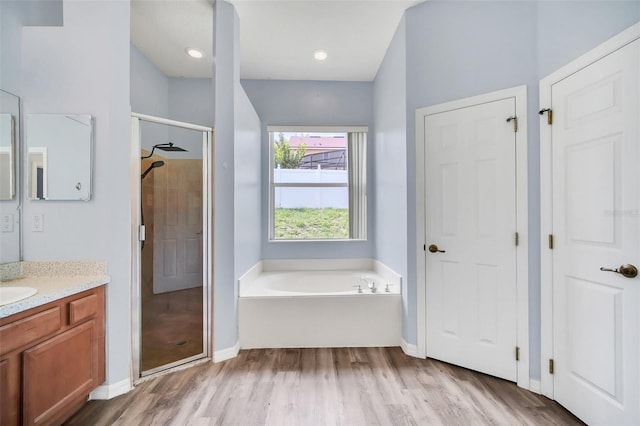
(14, 294)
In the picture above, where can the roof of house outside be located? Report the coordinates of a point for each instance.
(318, 142)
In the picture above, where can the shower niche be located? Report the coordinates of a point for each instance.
(59, 156)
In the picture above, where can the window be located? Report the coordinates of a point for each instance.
(317, 183)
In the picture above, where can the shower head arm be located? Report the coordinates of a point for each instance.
(160, 145)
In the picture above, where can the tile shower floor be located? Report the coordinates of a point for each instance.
(171, 327)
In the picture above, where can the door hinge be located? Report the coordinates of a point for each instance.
(549, 112)
(517, 239)
(517, 353)
(515, 123)
(551, 241)
(550, 366)
(142, 233)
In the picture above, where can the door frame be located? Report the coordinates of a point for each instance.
(546, 185)
(522, 250)
(136, 258)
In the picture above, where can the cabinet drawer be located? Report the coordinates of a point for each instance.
(82, 309)
(29, 329)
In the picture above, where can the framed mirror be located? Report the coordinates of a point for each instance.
(9, 177)
(59, 156)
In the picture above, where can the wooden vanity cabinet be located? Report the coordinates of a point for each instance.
(51, 358)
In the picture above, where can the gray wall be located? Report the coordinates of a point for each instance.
(189, 100)
(390, 164)
(10, 59)
(565, 30)
(10, 47)
(461, 49)
(311, 103)
(55, 78)
(248, 184)
(149, 86)
(453, 50)
(149, 94)
(225, 48)
(568, 29)
(13, 16)
(237, 178)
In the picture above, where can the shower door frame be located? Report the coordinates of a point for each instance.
(136, 258)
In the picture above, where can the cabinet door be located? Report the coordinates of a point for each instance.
(59, 374)
(10, 390)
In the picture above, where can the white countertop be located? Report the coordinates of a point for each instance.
(53, 280)
(49, 289)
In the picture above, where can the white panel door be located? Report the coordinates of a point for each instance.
(596, 223)
(470, 185)
(178, 225)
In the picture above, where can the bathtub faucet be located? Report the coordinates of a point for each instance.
(370, 283)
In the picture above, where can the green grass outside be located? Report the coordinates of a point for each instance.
(300, 224)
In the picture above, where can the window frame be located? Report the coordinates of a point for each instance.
(272, 130)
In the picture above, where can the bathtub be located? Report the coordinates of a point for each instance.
(303, 303)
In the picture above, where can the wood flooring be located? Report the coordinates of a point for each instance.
(328, 386)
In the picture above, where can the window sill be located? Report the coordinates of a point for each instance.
(333, 240)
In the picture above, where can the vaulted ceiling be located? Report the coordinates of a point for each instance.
(277, 38)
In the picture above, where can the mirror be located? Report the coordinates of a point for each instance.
(9, 177)
(7, 158)
(8, 114)
(59, 156)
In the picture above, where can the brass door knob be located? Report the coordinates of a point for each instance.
(627, 271)
(434, 249)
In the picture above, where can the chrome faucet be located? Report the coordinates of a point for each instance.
(370, 283)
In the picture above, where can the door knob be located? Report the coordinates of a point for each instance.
(627, 271)
(434, 249)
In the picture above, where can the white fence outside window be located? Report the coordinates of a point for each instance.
(311, 197)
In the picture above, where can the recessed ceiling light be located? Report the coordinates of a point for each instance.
(194, 53)
(320, 55)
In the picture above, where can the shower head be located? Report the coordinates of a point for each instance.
(153, 165)
(170, 147)
(165, 147)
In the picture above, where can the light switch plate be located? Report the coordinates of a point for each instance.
(7, 222)
(37, 224)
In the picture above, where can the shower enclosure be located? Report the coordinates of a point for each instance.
(171, 244)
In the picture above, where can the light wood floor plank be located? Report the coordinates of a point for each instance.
(325, 386)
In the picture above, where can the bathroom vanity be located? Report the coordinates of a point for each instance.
(52, 348)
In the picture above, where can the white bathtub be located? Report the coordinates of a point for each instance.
(303, 303)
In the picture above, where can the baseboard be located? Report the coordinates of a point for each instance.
(409, 349)
(112, 390)
(228, 353)
(535, 386)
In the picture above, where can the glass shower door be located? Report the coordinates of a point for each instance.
(173, 284)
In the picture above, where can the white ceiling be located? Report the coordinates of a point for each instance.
(162, 29)
(277, 38)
